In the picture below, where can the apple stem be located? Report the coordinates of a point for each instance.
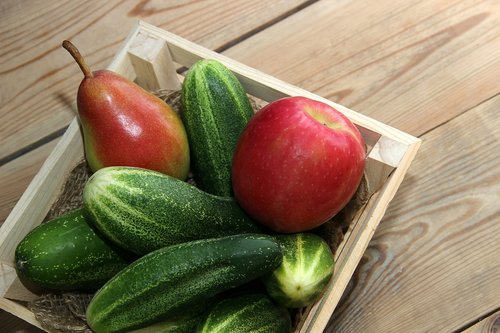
(78, 58)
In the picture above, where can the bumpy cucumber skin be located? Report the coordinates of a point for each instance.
(171, 280)
(143, 210)
(254, 313)
(215, 109)
(66, 253)
(303, 275)
(181, 324)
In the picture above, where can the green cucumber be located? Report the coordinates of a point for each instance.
(172, 280)
(215, 109)
(143, 210)
(169, 326)
(66, 253)
(303, 275)
(185, 323)
(247, 313)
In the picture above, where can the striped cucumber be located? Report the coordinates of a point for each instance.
(143, 210)
(254, 313)
(66, 253)
(306, 269)
(170, 281)
(215, 109)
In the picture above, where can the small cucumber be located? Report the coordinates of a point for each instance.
(306, 269)
(246, 313)
(66, 253)
(215, 109)
(172, 280)
(143, 210)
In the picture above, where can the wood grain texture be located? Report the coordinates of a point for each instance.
(433, 264)
(410, 64)
(16, 175)
(39, 79)
(425, 67)
(490, 324)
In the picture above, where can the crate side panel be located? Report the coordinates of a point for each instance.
(19, 311)
(152, 62)
(11, 286)
(35, 202)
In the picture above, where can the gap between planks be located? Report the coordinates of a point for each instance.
(470, 325)
(37, 144)
(264, 26)
(458, 115)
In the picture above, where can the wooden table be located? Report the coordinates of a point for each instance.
(428, 67)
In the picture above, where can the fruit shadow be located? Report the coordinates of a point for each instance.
(68, 102)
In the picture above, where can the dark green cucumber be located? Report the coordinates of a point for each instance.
(172, 280)
(143, 210)
(215, 109)
(66, 253)
(303, 275)
(171, 326)
(254, 313)
(180, 324)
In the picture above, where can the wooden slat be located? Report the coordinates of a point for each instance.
(406, 63)
(432, 265)
(35, 202)
(16, 175)
(490, 324)
(21, 312)
(39, 79)
(11, 323)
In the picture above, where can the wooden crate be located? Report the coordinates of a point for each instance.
(152, 57)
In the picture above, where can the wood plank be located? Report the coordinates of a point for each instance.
(16, 175)
(11, 323)
(490, 324)
(433, 262)
(409, 64)
(39, 79)
(20, 311)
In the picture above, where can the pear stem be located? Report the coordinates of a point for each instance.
(78, 58)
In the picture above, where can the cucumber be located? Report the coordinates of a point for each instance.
(215, 109)
(246, 313)
(66, 253)
(186, 323)
(170, 326)
(170, 281)
(303, 275)
(143, 210)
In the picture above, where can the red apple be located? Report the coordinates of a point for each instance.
(297, 163)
